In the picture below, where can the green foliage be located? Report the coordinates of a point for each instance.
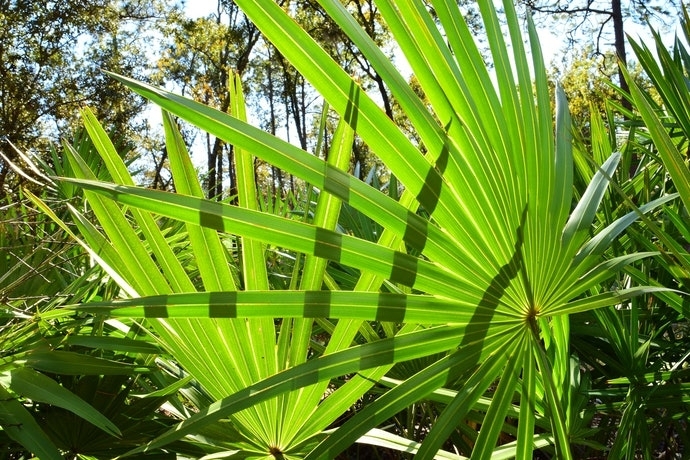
(586, 82)
(488, 276)
(42, 270)
(637, 356)
(71, 384)
(498, 301)
(51, 56)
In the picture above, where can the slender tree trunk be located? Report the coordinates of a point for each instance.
(387, 106)
(4, 169)
(275, 172)
(232, 173)
(158, 182)
(210, 168)
(619, 37)
(216, 191)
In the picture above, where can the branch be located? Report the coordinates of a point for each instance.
(565, 10)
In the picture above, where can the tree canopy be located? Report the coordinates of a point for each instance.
(599, 25)
(51, 59)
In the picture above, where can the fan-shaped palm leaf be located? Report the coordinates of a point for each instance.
(503, 255)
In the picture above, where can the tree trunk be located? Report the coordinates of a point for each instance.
(232, 174)
(619, 37)
(217, 171)
(210, 168)
(158, 182)
(276, 174)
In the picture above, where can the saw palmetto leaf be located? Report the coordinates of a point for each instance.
(484, 275)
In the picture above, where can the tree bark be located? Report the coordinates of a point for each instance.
(619, 39)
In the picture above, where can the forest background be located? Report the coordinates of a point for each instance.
(339, 266)
(52, 56)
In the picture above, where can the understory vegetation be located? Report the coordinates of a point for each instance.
(503, 282)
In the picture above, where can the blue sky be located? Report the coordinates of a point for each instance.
(551, 42)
